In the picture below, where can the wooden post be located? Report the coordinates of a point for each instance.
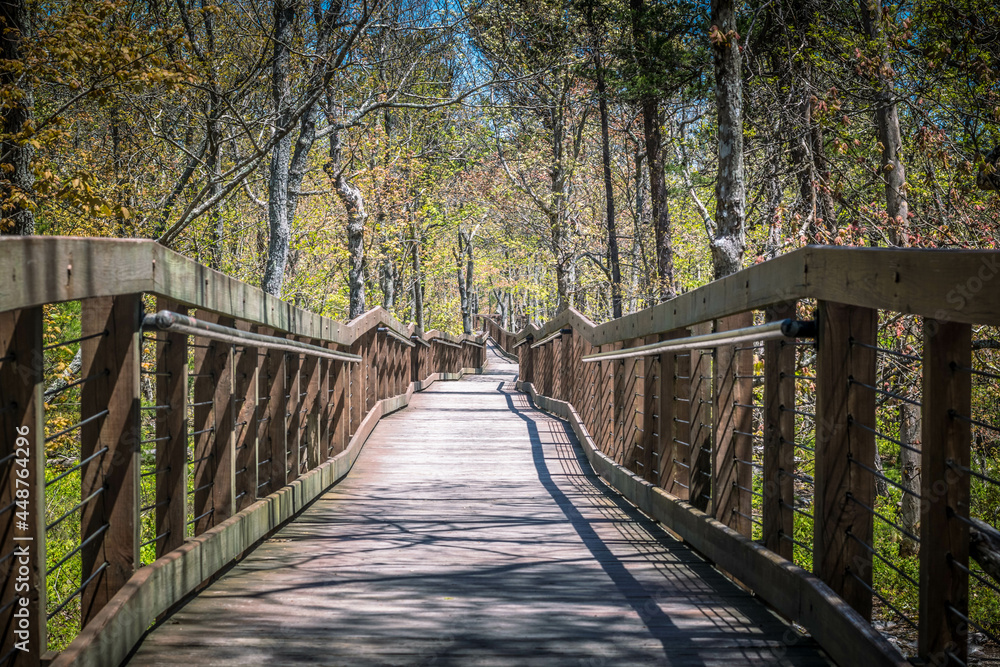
(171, 434)
(944, 490)
(842, 362)
(700, 420)
(224, 436)
(550, 371)
(606, 431)
(526, 362)
(383, 364)
(588, 404)
(323, 412)
(650, 406)
(673, 442)
(202, 426)
(732, 393)
(214, 452)
(246, 391)
(371, 372)
(779, 436)
(277, 435)
(293, 414)
(309, 411)
(338, 409)
(22, 483)
(633, 378)
(356, 389)
(415, 363)
(565, 360)
(111, 401)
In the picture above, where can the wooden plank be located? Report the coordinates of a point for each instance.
(370, 370)
(700, 422)
(22, 486)
(606, 402)
(277, 433)
(171, 453)
(650, 439)
(339, 409)
(324, 426)
(731, 394)
(675, 452)
(631, 422)
(202, 427)
(310, 411)
(779, 437)
(293, 415)
(944, 456)
(843, 408)
(112, 360)
(224, 435)
(246, 391)
(620, 369)
(355, 390)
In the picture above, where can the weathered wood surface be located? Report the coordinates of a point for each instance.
(472, 532)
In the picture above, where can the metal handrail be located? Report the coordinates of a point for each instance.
(168, 321)
(400, 337)
(417, 339)
(521, 342)
(770, 331)
(550, 337)
(445, 341)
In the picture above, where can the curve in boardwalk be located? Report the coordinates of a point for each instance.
(471, 531)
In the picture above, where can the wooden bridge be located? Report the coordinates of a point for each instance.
(695, 483)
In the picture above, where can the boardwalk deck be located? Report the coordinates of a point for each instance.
(472, 532)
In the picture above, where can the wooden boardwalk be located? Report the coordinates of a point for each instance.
(472, 532)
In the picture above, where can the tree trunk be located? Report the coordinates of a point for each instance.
(887, 129)
(909, 467)
(729, 242)
(418, 288)
(277, 208)
(387, 280)
(463, 270)
(609, 192)
(354, 203)
(16, 178)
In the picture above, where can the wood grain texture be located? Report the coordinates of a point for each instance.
(418, 557)
(700, 422)
(112, 360)
(171, 453)
(845, 360)
(731, 397)
(779, 436)
(944, 490)
(245, 393)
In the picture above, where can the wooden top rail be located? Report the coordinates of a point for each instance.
(39, 270)
(948, 285)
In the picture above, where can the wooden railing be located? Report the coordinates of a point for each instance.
(183, 448)
(767, 457)
(504, 340)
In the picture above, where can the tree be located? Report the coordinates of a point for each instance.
(16, 149)
(729, 238)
